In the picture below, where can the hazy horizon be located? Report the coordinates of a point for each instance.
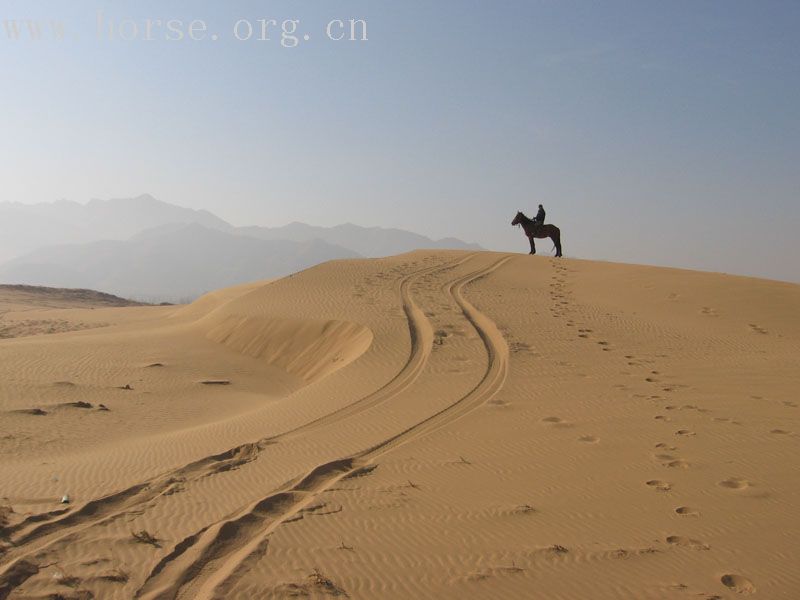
(653, 133)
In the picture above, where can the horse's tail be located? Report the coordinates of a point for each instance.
(556, 237)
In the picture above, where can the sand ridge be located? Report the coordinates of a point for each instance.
(511, 426)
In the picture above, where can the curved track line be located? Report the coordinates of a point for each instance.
(491, 382)
(219, 557)
(421, 333)
(113, 506)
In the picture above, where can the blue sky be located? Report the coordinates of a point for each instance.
(653, 132)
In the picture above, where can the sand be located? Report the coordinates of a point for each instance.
(432, 425)
(32, 310)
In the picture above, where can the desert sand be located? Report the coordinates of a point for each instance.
(31, 310)
(432, 425)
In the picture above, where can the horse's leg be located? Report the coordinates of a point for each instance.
(533, 245)
(557, 241)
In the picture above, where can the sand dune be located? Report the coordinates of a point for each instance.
(439, 424)
(31, 310)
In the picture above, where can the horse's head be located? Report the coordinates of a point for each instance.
(518, 219)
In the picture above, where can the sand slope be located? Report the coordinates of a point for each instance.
(432, 425)
(31, 310)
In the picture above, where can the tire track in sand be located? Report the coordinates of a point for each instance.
(40, 533)
(207, 564)
(421, 334)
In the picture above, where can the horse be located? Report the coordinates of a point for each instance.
(536, 230)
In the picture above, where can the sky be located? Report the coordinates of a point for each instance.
(653, 132)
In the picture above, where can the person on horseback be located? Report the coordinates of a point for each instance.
(539, 218)
(535, 228)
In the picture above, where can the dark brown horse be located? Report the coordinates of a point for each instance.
(534, 230)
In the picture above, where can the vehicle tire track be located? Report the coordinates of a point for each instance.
(39, 533)
(421, 334)
(212, 561)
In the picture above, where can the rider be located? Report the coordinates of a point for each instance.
(539, 219)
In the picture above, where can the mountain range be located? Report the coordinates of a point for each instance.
(151, 250)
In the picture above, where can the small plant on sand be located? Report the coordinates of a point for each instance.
(145, 537)
(115, 576)
(361, 472)
(513, 568)
(326, 585)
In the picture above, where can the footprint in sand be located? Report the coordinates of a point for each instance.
(673, 462)
(687, 511)
(738, 584)
(780, 432)
(664, 446)
(758, 329)
(498, 402)
(735, 483)
(589, 439)
(78, 404)
(685, 432)
(790, 404)
(679, 540)
(557, 422)
(661, 486)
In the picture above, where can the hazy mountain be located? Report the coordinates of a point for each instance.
(367, 241)
(25, 227)
(151, 250)
(170, 263)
